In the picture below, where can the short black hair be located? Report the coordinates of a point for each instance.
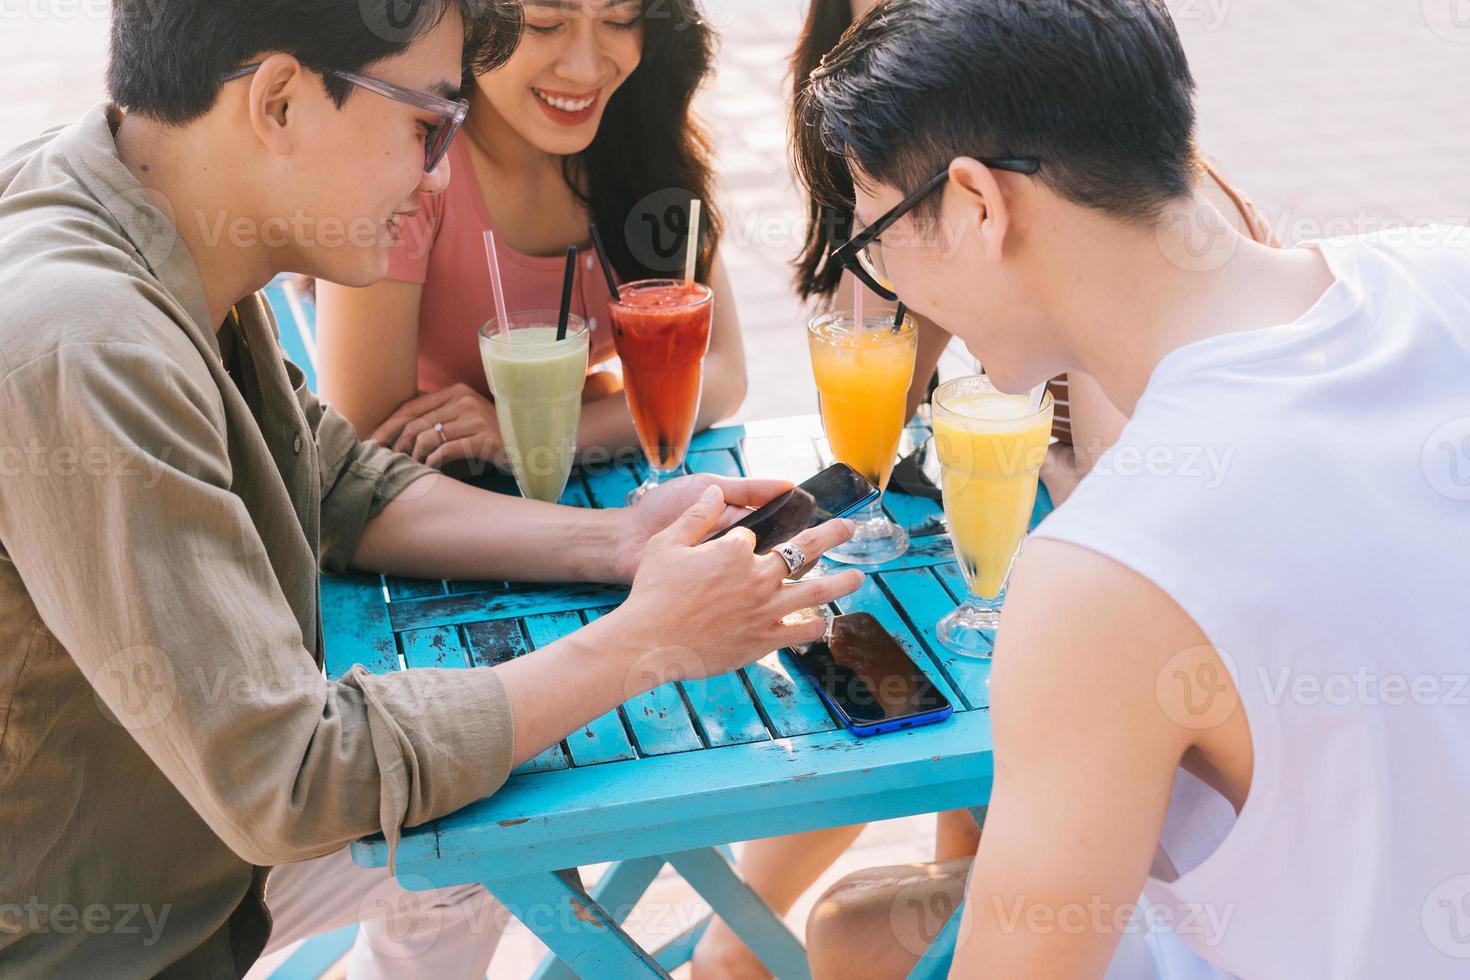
(1099, 90)
(166, 57)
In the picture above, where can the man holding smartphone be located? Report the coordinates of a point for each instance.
(168, 487)
(1253, 710)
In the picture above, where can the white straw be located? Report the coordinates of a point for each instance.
(496, 286)
(695, 208)
(858, 323)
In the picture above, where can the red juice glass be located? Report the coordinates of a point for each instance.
(661, 329)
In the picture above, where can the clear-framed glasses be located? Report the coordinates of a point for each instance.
(451, 112)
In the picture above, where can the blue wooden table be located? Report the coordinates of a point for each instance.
(671, 775)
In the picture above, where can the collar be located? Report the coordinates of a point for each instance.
(144, 216)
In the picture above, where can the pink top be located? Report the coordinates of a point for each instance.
(443, 249)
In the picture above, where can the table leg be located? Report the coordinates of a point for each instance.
(743, 911)
(617, 891)
(937, 959)
(574, 926)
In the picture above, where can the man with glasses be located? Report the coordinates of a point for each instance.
(1252, 709)
(168, 488)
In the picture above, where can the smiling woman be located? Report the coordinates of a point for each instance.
(589, 122)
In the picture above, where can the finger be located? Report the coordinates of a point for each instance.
(695, 524)
(452, 452)
(387, 433)
(743, 537)
(813, 542)
(820, 591)
(794, 631)
(424, 404)
(733, 515)
(741, 492)
(427, 442)
(415, 429)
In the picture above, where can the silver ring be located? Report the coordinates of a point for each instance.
(439, 428)
(794, 557)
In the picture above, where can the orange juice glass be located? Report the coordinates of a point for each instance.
(863, 372)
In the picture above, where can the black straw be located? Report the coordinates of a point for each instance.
(566, 294)
(899, 315)
(607, 269)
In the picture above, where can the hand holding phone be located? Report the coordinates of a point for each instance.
(835, 492)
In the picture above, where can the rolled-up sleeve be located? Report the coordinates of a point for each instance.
(116, 511)
(358, 478)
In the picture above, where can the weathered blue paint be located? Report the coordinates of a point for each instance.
(681, 769)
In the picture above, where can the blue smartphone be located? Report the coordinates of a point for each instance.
(868, 680)
(835, 492)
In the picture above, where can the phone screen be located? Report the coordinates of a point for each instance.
(835, 492)
(866, 676)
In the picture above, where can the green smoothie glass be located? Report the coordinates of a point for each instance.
(537, 382)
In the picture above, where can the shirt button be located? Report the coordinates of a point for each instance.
(296, 444)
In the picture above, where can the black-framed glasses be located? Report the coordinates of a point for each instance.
(451, 112)
(862, 254)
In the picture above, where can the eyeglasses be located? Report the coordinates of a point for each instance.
(863, 255)
(452, 112)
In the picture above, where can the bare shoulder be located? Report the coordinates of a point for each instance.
(1082, 645)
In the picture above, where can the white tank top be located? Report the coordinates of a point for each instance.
(1303, 492)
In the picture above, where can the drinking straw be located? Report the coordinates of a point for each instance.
(566, 294)
(899, 316)
(496, 286)
(857, 307)
(695, 207)
(607, 269)
(1038, 394)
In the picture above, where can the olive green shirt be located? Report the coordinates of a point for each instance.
(166, 498)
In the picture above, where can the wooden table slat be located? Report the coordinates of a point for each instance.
(787, 698)
(924, 601)
(659, 719)
(409, 588)
(526, 600)
(724, 711)
(918, 516)
(439, 647)
(356, 626)
(722, 462)
(610, 485)
(494, 643)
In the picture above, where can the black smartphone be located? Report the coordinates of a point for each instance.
(835, 492)
(869, 681)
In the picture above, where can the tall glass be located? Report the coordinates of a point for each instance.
(863, 374)
(661, 328)
(537, 382)
(991, 447)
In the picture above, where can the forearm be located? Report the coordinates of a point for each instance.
(565, 685)
(442, 528)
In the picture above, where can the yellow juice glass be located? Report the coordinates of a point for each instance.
(991, 446)
(863, 372)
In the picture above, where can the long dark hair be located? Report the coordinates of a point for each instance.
(651, 155)
(829, 222)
